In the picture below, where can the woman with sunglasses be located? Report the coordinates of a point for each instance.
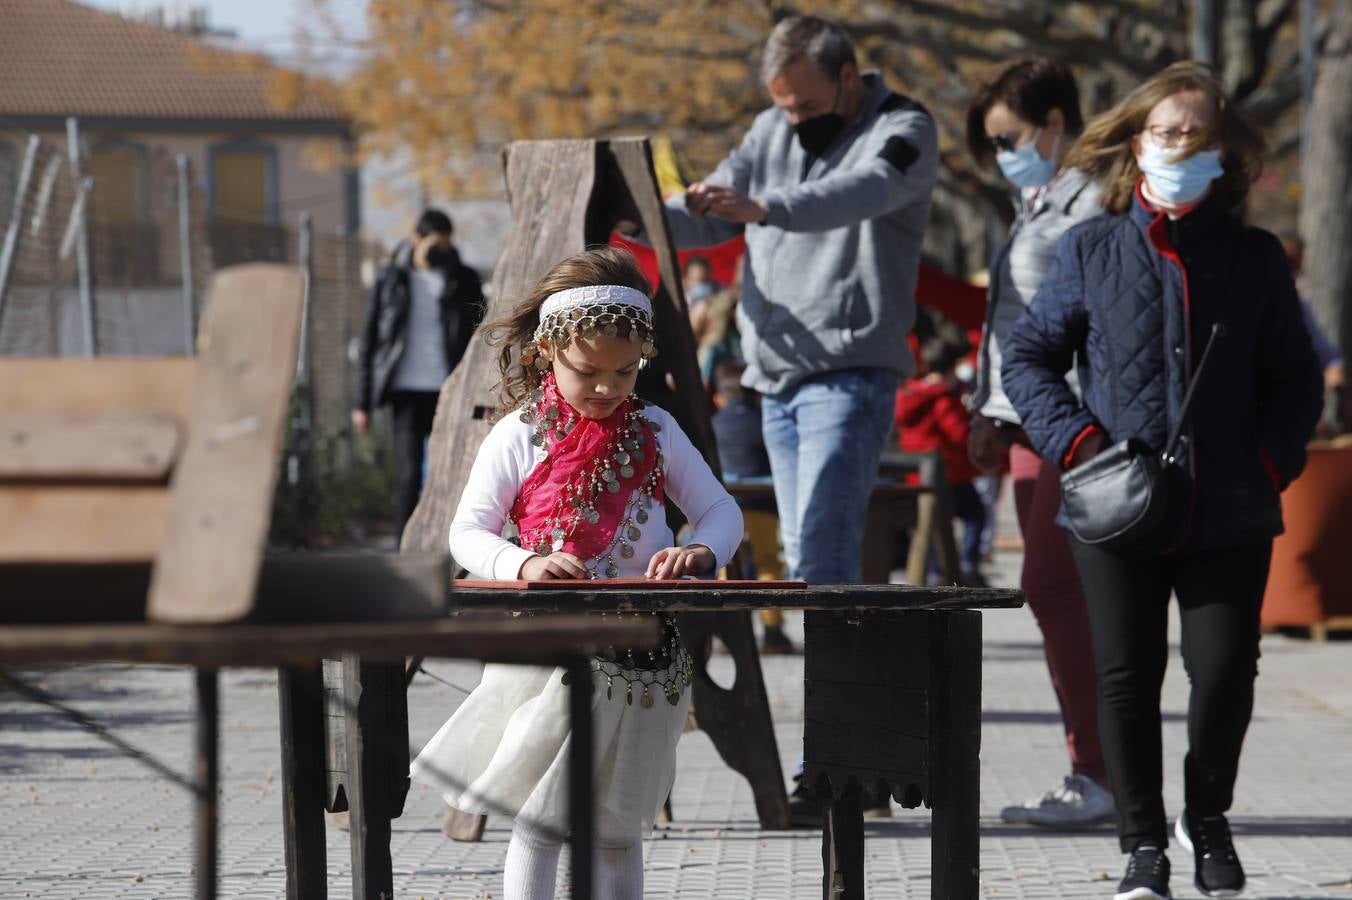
(1129, 302)
(1024, 116)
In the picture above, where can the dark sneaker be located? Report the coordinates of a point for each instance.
(805, 810)
(1218, 872)
(776, 643)
(1147, 876)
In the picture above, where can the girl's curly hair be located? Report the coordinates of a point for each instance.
(515, 332)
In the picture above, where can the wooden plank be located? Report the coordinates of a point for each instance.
(206, 837)
(528, 640)
(81, 523)
(64, 592)
(45, 446)
(843, 847)
(884, 709)
(86, 386)
(300, 708)
(550, 186)
(350, 587)
(867, 600)
(335, 736)
(368, 795)
(222, 488)
(894, 652)
(636, 188)
(955, 691)
(299, 587)
(842, 741)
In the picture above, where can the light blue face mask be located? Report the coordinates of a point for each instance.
(1024, 166)
(1178, 182)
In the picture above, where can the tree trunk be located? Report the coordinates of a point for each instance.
(1326, 199)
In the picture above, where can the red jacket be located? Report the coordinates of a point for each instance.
(930, 416)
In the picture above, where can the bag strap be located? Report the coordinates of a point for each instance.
(1217, 330)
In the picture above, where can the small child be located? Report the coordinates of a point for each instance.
(583, 469)
(930, 415)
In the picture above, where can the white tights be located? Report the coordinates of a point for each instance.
(533, 862)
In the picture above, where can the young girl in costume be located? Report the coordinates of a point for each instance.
(582, 469)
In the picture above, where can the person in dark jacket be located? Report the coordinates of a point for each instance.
(423, 311)
(1024, 118)
(1132, 297)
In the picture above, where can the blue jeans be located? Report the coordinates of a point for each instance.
(825, 438)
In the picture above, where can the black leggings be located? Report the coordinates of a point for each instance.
(413, 412)
(1219, 595)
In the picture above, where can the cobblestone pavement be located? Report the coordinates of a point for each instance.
(79, 821)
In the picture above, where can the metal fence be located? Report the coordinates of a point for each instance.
(76, 281)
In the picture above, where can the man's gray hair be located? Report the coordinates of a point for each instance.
(820, 40)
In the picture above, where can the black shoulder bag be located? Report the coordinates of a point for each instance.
(1116, 499)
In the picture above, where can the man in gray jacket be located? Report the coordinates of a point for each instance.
(831, 188)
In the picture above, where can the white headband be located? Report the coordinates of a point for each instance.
(595, 295)
(595, 308)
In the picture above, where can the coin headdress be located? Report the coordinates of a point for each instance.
(611, 309)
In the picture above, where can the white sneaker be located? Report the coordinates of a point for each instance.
(1078, 802)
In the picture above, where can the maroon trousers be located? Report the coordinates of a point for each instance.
(1052, 584)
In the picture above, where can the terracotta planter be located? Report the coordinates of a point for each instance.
(1311, 580)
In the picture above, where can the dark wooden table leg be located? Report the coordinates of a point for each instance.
(955, 692)
(208, 776)
(843, 847)
(301, 705)
(368, 794)
(581, 800)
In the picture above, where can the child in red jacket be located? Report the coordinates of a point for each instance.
(930, 415)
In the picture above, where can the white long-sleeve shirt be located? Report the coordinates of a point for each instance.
(505, 460)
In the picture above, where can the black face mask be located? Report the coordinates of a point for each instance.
(440, 257)
(817, 133)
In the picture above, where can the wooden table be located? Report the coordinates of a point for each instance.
(297, 649)
(893, 697)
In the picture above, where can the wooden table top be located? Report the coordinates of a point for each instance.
(707, 596)
(545, 640)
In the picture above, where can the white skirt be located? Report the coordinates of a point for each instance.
(505, 751)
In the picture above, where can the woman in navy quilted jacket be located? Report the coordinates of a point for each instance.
(1129, 302)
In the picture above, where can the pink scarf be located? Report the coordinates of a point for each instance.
(565, 503)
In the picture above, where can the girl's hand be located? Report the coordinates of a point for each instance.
(674, 562)
(555, 565)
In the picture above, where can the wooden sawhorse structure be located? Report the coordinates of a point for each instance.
(893, 685)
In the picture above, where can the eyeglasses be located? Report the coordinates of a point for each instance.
(1004, 143)
(1169, 138)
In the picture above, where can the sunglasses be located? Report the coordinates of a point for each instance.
(1004, 143)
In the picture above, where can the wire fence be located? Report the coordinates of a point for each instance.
(130, 279)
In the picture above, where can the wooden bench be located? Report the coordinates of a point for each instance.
(134, 508)
(893, 700)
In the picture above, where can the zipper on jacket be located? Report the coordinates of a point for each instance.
(1157, 231)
